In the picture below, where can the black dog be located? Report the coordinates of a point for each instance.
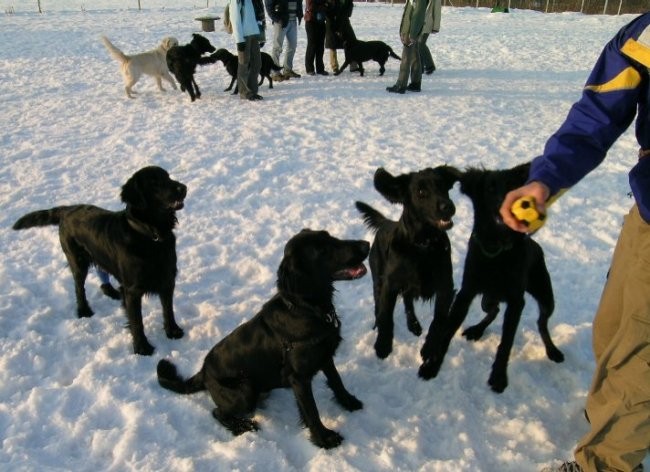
(501, 264)
(362, 51)
(230, 62)
(136, 245)
(411, 257)
(182, 62)
(294, 336)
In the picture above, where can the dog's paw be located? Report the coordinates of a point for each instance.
(327, 439)
(84, 312)
(414, 326)
(554, 354)
(350, 402)
(473, 333)
(383, 347)
(498, 382)
(429, 368)
(143, 348)
(174, 332)
(237, 426)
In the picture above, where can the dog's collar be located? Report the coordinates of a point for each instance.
(501, 248)
(145, 229)
(328, 316)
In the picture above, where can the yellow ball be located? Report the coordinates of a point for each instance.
(525, 210)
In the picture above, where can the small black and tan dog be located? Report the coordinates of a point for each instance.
(291, 339)
(501, 264)
(411, 257)
(182, 62)
(231, 64)
(362, 51)
(136, 245)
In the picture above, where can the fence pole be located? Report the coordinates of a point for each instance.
(546, 11)
(605, 8)
(582, 6)
(620, 5)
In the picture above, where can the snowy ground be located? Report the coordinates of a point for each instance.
(74, 397)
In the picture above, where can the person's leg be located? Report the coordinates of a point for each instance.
(334, 62)
(310, 50)
(319, 45)
(618, 403)
(404, 70)
(415, 68)
(278, 42)
(428, 65)
(243, 70)
(253, 45)
(291, 32)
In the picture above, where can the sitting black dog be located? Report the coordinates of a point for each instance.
(230, 62)
(182, 62)
(286, 343)
(362, 51)
(501, 264)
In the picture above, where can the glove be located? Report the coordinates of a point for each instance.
(241, 47)
(262, 43)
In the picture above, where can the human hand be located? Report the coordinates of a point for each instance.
(539, 191)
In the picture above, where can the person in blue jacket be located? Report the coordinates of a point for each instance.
(618, 402)
(247, 21)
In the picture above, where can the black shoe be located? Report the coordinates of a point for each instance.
(255, 97)
(414, 87)
(396, 89)
(311, 72)
(429, 70)
(323, 72)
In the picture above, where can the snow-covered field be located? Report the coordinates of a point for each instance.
(74, 397)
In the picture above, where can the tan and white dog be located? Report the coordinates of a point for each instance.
(151, 63)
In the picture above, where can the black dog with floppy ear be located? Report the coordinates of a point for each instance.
(136, 245)
(411, 257)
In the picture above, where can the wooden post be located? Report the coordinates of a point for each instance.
(605, 8)
(39, 7)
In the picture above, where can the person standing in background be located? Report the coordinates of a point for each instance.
(247, 22)
(410, 31)
(285, 16)
(431, 25)
(315, 14)
(339, 30)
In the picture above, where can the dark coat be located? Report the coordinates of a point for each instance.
(278, 10)
(338, 21)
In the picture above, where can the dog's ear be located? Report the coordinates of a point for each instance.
(394, 189)
(470, 180)
(521, 172)
(291, 280)
(450, 174)
(132, 194)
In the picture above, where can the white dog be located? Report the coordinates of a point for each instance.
(151, 63)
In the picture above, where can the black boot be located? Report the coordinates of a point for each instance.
(396, 89)
(414, 87)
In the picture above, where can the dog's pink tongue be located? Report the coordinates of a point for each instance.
(358, 271)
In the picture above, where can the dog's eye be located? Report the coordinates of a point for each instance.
(422, 193)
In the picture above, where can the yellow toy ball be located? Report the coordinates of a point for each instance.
(525, 210)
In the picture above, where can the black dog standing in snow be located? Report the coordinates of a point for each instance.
(411, 257)
(291, 339)
(136, 245)
(182, 62)
(501, 264)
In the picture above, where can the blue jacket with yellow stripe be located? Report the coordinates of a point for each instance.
(617, 91)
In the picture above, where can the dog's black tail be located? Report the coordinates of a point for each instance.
(392, 54)
(168, 378)
(42, 218)
(371, 217)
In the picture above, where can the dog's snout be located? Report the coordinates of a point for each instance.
(181, 189)
(447, 208)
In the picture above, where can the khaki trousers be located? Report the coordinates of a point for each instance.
(618, 403)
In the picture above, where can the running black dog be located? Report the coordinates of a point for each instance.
(230, 62)
(182, 62)
(293, 336)
(136, 245)
(411, 257)
(362, 51)
(501, 264)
